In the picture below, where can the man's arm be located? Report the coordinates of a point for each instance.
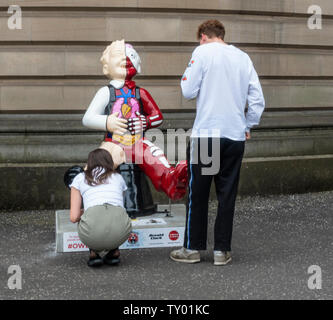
(255, 99)
(191, 80)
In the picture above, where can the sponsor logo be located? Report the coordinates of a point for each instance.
(173, 235)
(133, 238)
(157, 236)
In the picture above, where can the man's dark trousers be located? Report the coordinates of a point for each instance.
(226, 177)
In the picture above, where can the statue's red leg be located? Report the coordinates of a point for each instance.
(152, 161)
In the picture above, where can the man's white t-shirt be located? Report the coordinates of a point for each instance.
(110, 192)
(222, 78)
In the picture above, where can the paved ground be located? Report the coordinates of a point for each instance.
(275, 240)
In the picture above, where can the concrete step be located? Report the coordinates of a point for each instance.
(28, 186)
(162, 229)
(72, 147)
(47, 124)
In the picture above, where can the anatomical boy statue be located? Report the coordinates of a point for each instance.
(125, 111)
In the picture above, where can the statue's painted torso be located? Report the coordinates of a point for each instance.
(127, 104)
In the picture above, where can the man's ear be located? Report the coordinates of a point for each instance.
(203, 38)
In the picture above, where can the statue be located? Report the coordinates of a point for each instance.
(125, 111)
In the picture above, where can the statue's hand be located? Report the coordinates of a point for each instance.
(137, 124)
(116, 125)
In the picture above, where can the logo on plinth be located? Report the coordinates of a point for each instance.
(173, 235)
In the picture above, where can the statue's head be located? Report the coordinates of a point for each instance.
(120, 61)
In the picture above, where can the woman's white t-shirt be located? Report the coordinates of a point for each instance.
(110, 192)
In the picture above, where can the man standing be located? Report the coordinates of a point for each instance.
(223, 80)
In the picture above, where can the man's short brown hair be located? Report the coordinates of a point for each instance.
(211, 28)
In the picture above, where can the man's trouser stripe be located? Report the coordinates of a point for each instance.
(190, 199)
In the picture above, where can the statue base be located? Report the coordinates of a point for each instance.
(165, 228)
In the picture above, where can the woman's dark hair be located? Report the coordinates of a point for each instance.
(99, 167)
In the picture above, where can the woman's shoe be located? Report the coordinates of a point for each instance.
(95, 261)
(112, 257)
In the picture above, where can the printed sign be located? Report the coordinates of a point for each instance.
(72, 243)
(139, 238)
(156, 237)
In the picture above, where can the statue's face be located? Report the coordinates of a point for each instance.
(130, 70)
(114, 61)
(134, 58)
(120, 61)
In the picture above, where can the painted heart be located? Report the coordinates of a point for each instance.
(126, 111)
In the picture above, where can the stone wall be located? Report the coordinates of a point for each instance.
(50, 71)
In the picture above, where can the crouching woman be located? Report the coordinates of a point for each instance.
(103, 225)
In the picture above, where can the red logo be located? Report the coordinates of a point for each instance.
(133, 238)
(173, 235)
(184, 79)
(76, 246)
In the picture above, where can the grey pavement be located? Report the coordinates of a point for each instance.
(276, 239)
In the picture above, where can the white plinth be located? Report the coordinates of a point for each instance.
(155, 231)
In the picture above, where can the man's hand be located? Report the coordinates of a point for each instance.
(116, 125)
(138, 124)
(248, 135)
